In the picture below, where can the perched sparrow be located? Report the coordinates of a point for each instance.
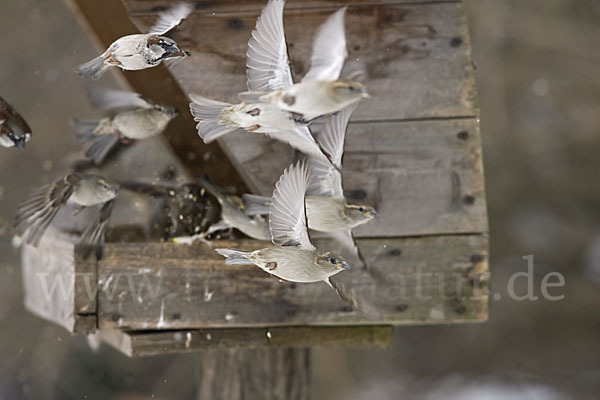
(141, 51)
(321, 91)
(295, 259)
(14, 131)
(268, 70)
(232, 216)
(138, 119)
(35, 215)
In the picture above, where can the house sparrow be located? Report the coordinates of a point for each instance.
(35, 215)
(232, 216)
(321, 90)
(268, 69)
(295, 259)
(141, 51)
(14, 131)
(326, 207)
(138, 119)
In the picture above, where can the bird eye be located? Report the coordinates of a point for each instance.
(361, 209)
(331, 260)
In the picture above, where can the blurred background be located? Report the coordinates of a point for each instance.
(538, 72)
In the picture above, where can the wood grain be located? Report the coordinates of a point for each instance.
(148, 343)
(165, 286)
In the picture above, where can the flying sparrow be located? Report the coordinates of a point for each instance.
(14, 131)
(141, 51)
(232, 216)
(321, 90)
(268, 70)
(138, 118)
(35, 215)
(295, 258)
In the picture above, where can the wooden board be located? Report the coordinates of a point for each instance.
(165, 286)
(148, 343)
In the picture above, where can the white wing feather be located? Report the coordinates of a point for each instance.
(104, 98)
(170, 18)
(329, 49)
(287, 213)
(300, 139)
(267, 59)
(325, 179)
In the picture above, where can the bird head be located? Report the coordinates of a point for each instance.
(349, 90)
(169, 111)
(19, 141)
(359, 214)
(163, 47)
(332, 261)
(104, 189)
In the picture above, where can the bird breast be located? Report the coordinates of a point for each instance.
(293, 264)
(141, 123)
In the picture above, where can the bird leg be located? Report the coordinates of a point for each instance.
(271, 266)
(79, 210)
(254, 128)
(255, 112)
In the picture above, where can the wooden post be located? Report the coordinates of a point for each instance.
(267, 374)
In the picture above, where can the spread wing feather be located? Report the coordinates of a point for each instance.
(170, 18)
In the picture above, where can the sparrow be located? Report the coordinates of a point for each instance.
(14, 131)
(232, 216)
(138, 118)
(326, 208)
(141, 51)
(321, 91)
(268, 70)
(295, 259)
(35, 215)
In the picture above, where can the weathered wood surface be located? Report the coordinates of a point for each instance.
(148, 343)
(165, 286)
(269, 374)
(55, 277)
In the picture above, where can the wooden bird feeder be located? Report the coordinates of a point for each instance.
(413, 151)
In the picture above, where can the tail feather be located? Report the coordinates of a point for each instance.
(207, 113)
(234, 257)
(256, 205)
(92, 69)
(96, 147)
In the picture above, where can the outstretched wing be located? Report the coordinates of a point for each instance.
(94, 234)
(287, 213)
(300, 139)
(6, 111)
(326, 180)
(329, 49)
(105, 99)
(35, 215)
(267, 59)
(170, 18)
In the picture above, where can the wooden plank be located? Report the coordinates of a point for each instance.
(268, 374)
(55, 278)
(165, 286)
(423, 177)
(108, 20)
(417, 56)
(148, 343)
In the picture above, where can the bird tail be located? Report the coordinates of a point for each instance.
(96, 147)
(92, 69)
(256, 205)
(212, 117)
(234, 257)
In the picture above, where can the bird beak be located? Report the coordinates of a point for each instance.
(365, 95)
(173, 112)
(20, 142)
(372, 213)
(344, 265)
(177, 52)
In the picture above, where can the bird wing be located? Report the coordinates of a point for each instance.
(287, 213)
(170, 18)
(267, 59)
(329, 49)
(300, 139)
(94, 234)
(326, 179)
(35, 214)
(105, 99)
